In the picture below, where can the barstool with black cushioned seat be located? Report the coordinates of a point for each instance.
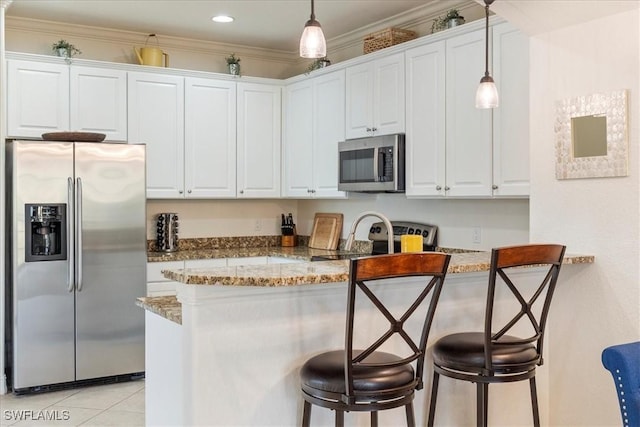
(369, 379)
(494, 357)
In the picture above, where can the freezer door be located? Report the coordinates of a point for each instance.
(111, 259)
(42, 291)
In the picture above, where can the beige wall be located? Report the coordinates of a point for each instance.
(598, 305)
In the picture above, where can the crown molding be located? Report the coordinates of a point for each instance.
(4, 4)
(409, 20)
(108, 35)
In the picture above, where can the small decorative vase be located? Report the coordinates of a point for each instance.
(234, 69)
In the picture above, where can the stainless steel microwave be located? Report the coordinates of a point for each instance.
(372, 164)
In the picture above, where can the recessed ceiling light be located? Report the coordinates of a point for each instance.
(222, 18)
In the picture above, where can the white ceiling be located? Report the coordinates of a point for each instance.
(268, 24)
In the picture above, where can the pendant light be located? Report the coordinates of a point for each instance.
(487, 94)
(312, 43)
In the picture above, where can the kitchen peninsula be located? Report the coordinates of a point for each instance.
(233, 339)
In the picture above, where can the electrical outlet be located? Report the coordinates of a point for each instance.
(476, 235)
(257, 226)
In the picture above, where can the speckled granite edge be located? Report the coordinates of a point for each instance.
(278, 275)
(165, 306)
(212, 243)
(274, 275)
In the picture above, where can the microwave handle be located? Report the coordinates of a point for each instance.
(376, 164)
(379, 162)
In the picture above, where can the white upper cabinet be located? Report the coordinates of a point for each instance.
(156, 118)
(468, 129)
(99, 101)
(298, 140)
(511, 119)
(259, 140)
(375, 100)
(425, 135)
(314, 125)
(38, 98)
(454, 149)
(329, 131)
(46, 97)
(210, 138)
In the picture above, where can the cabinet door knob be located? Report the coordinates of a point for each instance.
(189, 191)
(374, 129)
(180, 191)
(438, 187)
(495, 187)
(369, 129)
(241, 191)
(446, 188)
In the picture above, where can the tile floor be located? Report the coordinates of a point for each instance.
(119, 404)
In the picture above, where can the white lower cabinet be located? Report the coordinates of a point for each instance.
(157, 284)
(282, 260)
(254, 260)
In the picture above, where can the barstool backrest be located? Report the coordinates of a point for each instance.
(365, 271)
(502, 260)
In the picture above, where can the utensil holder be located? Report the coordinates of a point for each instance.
(167, 232)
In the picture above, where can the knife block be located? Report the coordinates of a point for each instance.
(289, 241)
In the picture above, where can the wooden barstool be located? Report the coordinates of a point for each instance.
(493, 357)
(369, 379)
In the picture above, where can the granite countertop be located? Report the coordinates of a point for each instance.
(302, 253)
(165, 306)
(294, 274)
(305, 273)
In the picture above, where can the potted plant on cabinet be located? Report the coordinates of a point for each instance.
(65, 49)
(451, 19)
(317, 64)
(233, 62)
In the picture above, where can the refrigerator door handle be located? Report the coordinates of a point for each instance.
(70, 235)
(78, 252)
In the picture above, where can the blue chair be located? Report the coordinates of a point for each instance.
(623, 361)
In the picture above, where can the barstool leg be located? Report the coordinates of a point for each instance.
(434, 397)
(411, 420)
(339, 418)
(534, 402)
(306, 414)
(374, 418)
(482, 405)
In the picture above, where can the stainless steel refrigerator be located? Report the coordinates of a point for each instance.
(77, 262)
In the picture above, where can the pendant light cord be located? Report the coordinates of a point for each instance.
(313, 15)
(486, 38)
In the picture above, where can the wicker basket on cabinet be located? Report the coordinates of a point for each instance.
(386, 38)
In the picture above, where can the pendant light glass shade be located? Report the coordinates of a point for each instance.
(312, 42)
(487, 93)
